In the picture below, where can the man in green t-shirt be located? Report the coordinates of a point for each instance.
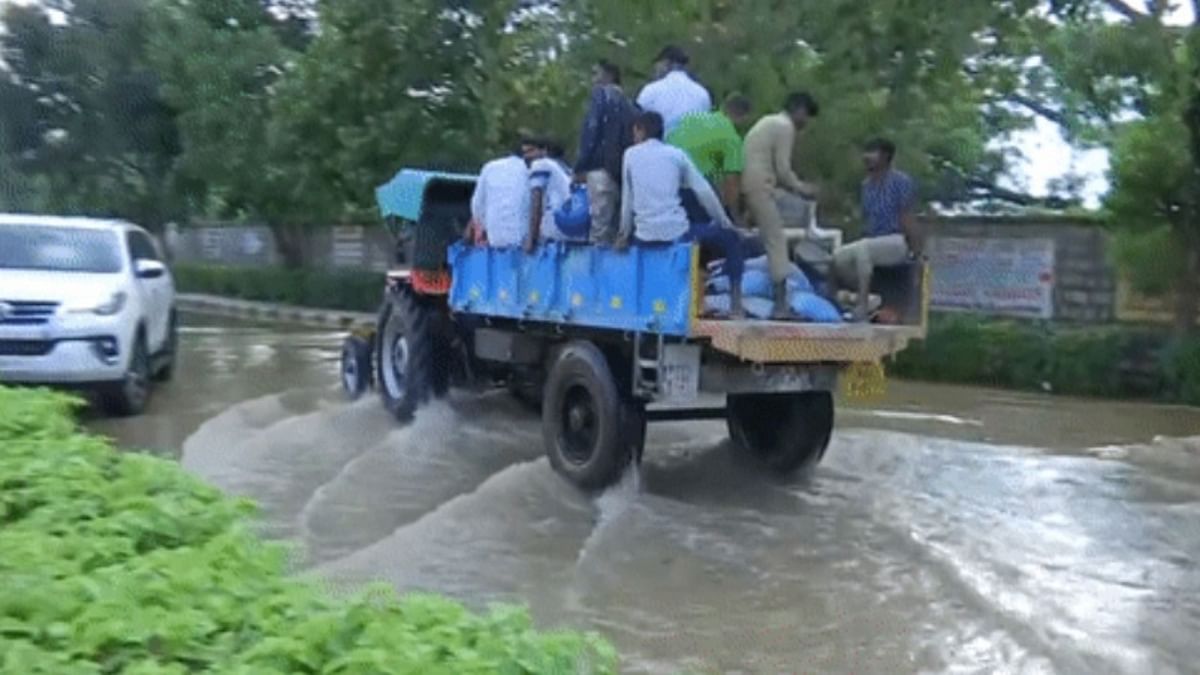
(712, 142)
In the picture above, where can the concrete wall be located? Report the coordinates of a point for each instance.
(1084, 280)
(1083, 283)
(348, 247)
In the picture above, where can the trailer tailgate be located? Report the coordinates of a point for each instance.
(790, 342)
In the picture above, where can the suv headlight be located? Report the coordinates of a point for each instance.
(112, 305)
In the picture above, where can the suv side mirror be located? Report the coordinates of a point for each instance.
(149, 269)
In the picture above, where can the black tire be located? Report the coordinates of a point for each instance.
(166, 370)
(356, 366)
(412, 360)
(591, 432)
(130, 395)
(786, 432)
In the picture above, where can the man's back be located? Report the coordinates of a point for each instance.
(769, 139)
(674, 95)
(548, 174)
(501, 200)
(654, 174)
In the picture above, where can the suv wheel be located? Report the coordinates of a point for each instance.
(129, 395)
(166, 368)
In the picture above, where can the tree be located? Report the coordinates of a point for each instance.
(221, 62)
(391, 83)
(1130, 77)
(80, 113)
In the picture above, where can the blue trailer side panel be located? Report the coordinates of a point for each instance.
(647, 289)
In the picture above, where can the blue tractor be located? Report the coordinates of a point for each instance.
(600, 341)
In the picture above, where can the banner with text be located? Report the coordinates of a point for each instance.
(1009, 277)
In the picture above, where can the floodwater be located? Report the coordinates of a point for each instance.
(949, 529)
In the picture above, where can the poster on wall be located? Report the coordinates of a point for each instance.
(1004, 277)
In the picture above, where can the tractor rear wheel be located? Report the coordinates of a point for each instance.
(412, 359)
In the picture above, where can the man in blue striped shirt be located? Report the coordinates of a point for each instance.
(890, 236)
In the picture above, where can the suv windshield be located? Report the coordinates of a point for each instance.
(59, 249)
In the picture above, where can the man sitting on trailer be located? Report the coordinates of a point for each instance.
(653, 176)
(549, 189)
(500, 204)
(890, 236)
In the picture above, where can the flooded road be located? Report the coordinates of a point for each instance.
(948, 530)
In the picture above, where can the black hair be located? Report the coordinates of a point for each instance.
(611, 69)
(737, 104)
(802, 99)
(651, 123)
(883, 146)
(673, 55)
(555, 149)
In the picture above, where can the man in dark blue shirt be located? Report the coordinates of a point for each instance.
(607, 132)
(889, 235)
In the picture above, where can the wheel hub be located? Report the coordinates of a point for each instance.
(580, 428)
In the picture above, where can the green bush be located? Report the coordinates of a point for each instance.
(1091, 361)
(337, 289)
(123, 563)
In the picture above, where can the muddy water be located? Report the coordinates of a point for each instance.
(948, 530)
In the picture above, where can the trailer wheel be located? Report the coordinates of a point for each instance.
(591, 432)
(411, 359)
(787, 432)
(356, 366)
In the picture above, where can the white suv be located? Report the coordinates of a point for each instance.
(85, 303)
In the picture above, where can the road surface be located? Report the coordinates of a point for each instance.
(949, 529)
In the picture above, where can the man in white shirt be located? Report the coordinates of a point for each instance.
(549, 189)
(674, 94)
(652, 211)
(501, 202)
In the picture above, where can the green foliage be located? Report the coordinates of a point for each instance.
(1097, 361)
(349, 290)
(123, 563)
(1152, 258)
(219, 60)
(80, 113)
(1131, 83)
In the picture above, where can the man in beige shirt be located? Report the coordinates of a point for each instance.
(768, 171)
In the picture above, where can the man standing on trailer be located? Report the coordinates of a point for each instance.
(890, 234)
(768, 154)
(712, 142)
(674, 94)
(607, 132)
(652, 211)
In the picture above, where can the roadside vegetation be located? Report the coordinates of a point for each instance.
(123, 563)
(309, 287)
(1126, 362)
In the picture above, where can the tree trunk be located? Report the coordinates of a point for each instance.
(291, 243)
(1187, 296)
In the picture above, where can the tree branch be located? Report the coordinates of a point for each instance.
(1038, 108)
(983, 189)
(1125, 9)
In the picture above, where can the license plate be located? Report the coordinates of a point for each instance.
(865, 380)
(679, 373)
